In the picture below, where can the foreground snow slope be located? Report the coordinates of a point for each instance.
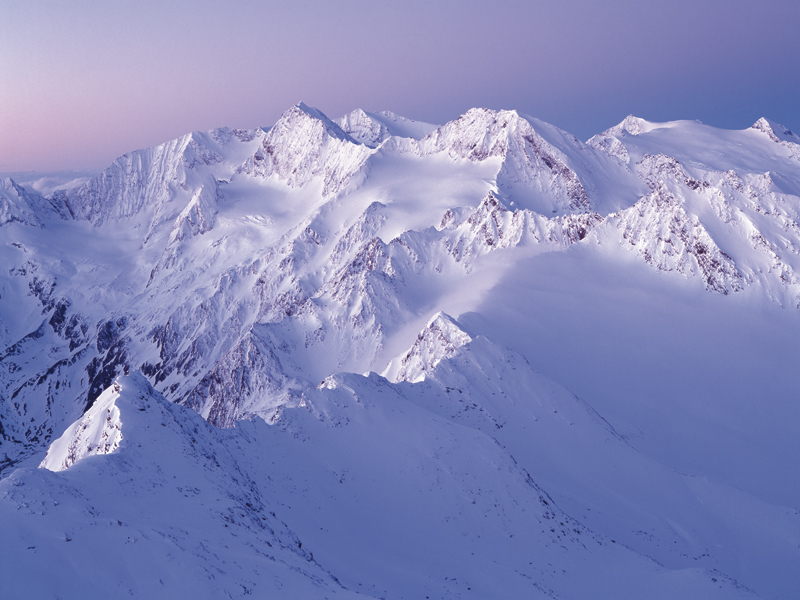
(433, 509)
(173, 502)
(651, 271)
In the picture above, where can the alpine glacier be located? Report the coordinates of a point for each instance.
(371, 357)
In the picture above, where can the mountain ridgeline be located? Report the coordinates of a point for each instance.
(382, 325)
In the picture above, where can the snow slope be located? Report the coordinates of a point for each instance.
(300, 510)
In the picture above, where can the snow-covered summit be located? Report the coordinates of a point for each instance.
(18, 205)
(98, 431)
(609, 141)
(305, 145)
(540, 166)
(440, 339)
(373, 128)
(630, 125)
(776, 131)
(781, 135)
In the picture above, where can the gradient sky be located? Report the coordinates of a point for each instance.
(82, 82)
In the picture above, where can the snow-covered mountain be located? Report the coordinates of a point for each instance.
(490, 269)
(373, 128)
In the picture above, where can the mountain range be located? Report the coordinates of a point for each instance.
(377, 358)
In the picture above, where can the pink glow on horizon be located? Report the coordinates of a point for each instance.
(83, 82)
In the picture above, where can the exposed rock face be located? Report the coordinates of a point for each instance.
(667, 238)
(249, 380)
(493, 227)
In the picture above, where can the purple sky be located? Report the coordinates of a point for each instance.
(82, 82)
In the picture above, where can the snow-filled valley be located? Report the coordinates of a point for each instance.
(376, 358)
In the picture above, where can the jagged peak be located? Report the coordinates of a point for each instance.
(9, 185)
(762, 124)
(372, 129)
(478, 134)
(500, 114)
(301, 109)
(98, 431)
(489, 116)
(775, 131)
(331, 126)
(363, 128)
(608, 140)
(631, 125)
(442, 319)
(483, 116)
(19, 205)
(310, 110)
(359, 113)
(486, 127)
(438, 340)
(305, 144)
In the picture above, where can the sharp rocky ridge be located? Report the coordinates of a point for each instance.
(227, 273)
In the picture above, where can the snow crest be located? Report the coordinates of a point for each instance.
(19, 206)
(371, 129)
(305, 145)
(99, 431)
(440, 339)
(527, 160)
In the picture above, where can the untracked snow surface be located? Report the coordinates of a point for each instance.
(588, 358)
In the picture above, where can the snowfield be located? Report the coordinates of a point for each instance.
(377, 358)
